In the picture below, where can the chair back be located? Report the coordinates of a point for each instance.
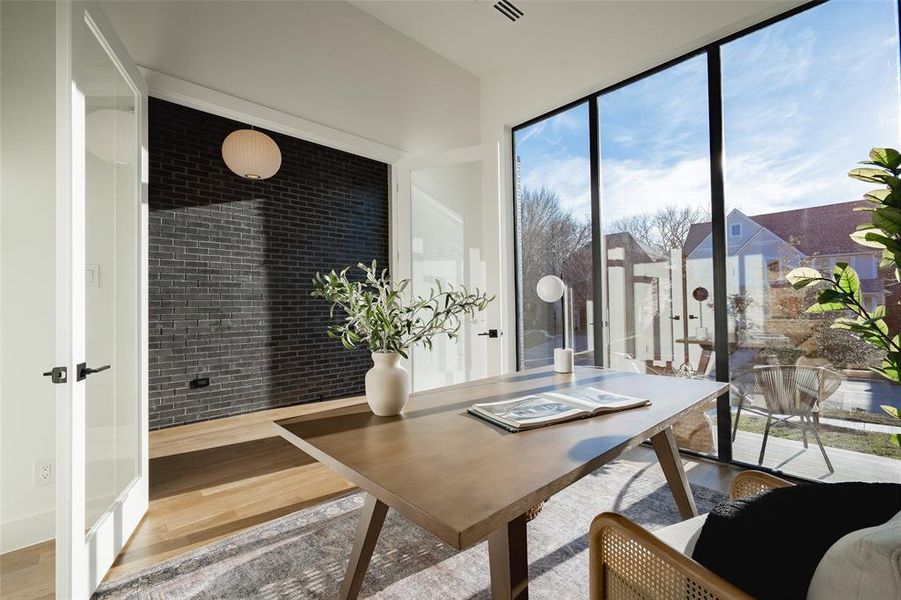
(792, 390)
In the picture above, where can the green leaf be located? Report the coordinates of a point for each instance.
(896, 439)
(860, 236)
(868, 175)
(888, 219)
(879, 196)
(884, 241)
(891, 410)
(802, 277)
(886, 157)
(820, 308)
(847, 280)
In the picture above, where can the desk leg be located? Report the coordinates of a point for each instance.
(668, 456)
(371, 521)
(509, 561)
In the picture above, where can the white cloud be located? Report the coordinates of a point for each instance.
(569, 177)
(630, 187)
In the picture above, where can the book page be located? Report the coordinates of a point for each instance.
(530, 409)
(593, 399)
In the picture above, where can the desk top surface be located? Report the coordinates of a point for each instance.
(461, 477)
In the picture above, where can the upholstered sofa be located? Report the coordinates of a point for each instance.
(629, 562)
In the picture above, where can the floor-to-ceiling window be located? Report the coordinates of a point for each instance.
(655, 208)
(804, 100)
(553, 217)
(794, 105)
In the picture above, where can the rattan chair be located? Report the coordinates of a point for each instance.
(788, 392)
(627, 562)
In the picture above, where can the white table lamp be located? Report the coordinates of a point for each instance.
(551, 288)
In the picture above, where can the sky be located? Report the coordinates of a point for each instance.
(803, 101)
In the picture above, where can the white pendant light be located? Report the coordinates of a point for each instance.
(251, 154)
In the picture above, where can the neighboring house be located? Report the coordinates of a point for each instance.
(763, 248)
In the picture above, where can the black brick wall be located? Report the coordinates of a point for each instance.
(230, 267)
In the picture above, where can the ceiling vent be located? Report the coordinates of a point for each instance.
(509, 10)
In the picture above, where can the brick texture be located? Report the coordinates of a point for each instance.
(231, 263)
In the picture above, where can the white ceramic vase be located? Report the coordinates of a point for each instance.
(387, 384)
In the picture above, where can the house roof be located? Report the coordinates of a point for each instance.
(818, 230)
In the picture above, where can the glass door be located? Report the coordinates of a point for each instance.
(101, 281)
(446, 236)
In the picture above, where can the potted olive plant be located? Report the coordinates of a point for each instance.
(380, 314)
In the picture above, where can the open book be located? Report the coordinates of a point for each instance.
(538, 410)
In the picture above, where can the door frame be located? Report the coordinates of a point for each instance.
(83, 559)
(401, 239)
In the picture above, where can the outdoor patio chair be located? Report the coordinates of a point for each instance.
(788, 392)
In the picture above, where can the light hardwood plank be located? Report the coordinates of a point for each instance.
(193, 503)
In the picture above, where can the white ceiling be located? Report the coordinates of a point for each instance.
(473, 34)
(325, 62)
(419, 74)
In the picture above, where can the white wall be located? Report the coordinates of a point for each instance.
(27, 295)
(327, 62)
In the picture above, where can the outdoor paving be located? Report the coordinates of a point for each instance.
(792, 458)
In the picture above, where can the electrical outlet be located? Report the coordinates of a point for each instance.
(43, 472)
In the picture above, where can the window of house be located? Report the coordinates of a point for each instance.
(735, 230)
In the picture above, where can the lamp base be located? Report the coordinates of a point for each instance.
(563, 360)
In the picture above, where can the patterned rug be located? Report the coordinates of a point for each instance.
(303, 555)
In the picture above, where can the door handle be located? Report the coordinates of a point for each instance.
(57, 374)
(492, 333)
(84, 371)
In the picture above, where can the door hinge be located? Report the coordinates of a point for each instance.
(57, 374)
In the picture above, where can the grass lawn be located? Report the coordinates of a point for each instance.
(861, 416)
(837, 437)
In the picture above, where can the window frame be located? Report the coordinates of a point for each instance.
(720, 232)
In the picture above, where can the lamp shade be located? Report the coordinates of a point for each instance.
(251, 154)
(550, 288)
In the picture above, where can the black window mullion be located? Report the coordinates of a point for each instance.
(597, 261)
(718, 225)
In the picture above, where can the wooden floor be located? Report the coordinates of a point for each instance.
(210, 480)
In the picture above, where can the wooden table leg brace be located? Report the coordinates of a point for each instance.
(668, 456)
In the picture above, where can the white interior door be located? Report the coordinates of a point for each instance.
(101, 452)
(445, 226)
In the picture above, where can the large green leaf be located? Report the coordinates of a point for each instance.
(847, 280)
(885, 241)
(868, 175)
(885, 157)
(888, 218)
(824, 307)
(860, 236)
(878, 195)
(802, 277)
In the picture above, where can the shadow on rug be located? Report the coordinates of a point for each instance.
(303, 555)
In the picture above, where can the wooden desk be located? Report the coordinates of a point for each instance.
(465, 480)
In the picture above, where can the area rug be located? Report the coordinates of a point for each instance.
(303, 555)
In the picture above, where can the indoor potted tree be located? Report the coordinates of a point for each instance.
(380, 314)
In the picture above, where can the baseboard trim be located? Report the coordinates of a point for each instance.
(26, 531)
